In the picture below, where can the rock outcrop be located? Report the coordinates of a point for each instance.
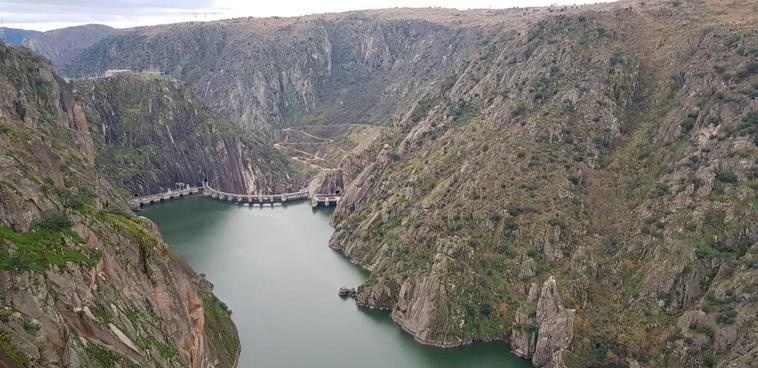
(345, 292)
(556, 325)
(544, 332)
(84, 282)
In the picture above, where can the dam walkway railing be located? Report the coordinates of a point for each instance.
(317, 200)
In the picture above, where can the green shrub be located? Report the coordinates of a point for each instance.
(31, 326)
(509, 228)
(702, 329)
(55, 222)
(661, 189)
(727, 177)
(710, 359)
(506, 249)
(749, 70)
(602, 142)
(91, 116)
(750, 120)
(726, 318)
(687, 125)
(106, 357)
(21, 110)
(555, 221)
(518, 111)
(77, 200)
(517, 210)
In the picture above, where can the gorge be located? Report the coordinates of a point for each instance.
(575, 183)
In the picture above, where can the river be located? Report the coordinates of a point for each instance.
(273, 268)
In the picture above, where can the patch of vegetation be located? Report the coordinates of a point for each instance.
(689, 122)
(544, 90)
(91, 116)
(726, 176)
(31, 326)
(518, 111)
(749, 70)
(21, 110)
(99, 313)
(78, 200)
(391, 237)
(603, 142)
(510, 228)
(702, 329)
(107, 358)
(485, 309)
(11, 350)
(44, 245)
(555, 221)
(133, 316)
(462, 111)
(167, 351)
(749, 124)
(726, 318)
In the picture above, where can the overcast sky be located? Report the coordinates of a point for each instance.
(51, 14)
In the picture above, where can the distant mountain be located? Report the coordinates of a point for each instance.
(62, 45)
(15, 36)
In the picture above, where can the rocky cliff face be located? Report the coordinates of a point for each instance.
(543, 333)
(274, 73)
(63, 45)
(151, 133)
(83, 282)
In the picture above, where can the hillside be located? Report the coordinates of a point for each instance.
(84, 282)
(268, 74)
(586, 190)
(62, 45)
(150, 133)
(577, 181)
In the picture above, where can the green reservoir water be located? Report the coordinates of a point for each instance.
(273, 267)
